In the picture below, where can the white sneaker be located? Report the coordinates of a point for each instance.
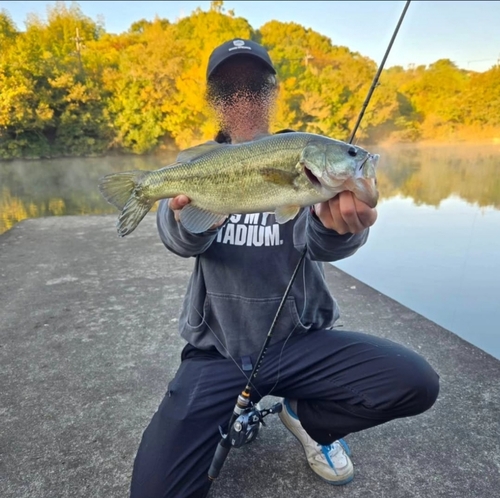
(331, 462)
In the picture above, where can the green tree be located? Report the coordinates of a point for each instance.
(141, 81)
(8, 31)
(52, 106)
(436, 94)
(323, 85)
(481, 101)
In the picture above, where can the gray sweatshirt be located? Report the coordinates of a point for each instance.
(241, 272)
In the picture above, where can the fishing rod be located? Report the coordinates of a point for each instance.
(247, 417)
(377, 75)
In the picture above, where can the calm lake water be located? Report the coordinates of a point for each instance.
(435, 247)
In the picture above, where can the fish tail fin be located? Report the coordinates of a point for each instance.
(123, 190)
(133, 212)
(117, 188)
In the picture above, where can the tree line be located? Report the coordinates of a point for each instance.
(69, 88)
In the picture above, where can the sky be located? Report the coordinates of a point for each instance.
(466, 32)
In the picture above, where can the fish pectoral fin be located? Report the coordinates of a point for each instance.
(198, 220)
(279, 176)
(286, 213)
(197, 151)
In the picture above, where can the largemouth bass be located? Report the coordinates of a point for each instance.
(278, 173)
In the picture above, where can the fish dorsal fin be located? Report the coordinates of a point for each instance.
(198, 220)
(286, 213)
(197, 151)
(279, 176)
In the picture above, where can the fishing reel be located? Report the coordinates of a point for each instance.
(246, 427)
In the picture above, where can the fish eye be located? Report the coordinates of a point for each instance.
(352, 152)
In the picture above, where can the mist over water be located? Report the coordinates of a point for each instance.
(435, 247)
(54, 187)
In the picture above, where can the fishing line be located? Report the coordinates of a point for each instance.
(204, 321)
(248, 378)
(228, 352)
(278, 373)
(243, 404)
(462, 270)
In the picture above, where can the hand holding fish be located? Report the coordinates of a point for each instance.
(176, 204)
(345, 213)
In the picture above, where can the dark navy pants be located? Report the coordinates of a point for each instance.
(345, 382)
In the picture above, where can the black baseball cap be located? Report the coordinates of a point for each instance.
(238, 46)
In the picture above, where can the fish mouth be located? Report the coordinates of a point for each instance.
(364, 161)
(311, 177)
(370, 158)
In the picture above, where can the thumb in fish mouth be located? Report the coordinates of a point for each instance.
(365, 189)
(345, 213)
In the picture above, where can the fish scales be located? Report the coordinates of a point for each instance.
(218, 179)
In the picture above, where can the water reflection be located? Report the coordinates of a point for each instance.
(30, 189)
(428, 175)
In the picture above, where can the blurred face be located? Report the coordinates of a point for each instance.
(243, 93)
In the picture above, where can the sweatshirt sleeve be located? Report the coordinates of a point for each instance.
(176, 238)
(324, 244)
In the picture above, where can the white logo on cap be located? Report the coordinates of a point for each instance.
(238, 44)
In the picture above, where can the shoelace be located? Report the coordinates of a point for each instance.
(330, 451)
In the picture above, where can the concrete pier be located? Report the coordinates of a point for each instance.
(88, 343)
